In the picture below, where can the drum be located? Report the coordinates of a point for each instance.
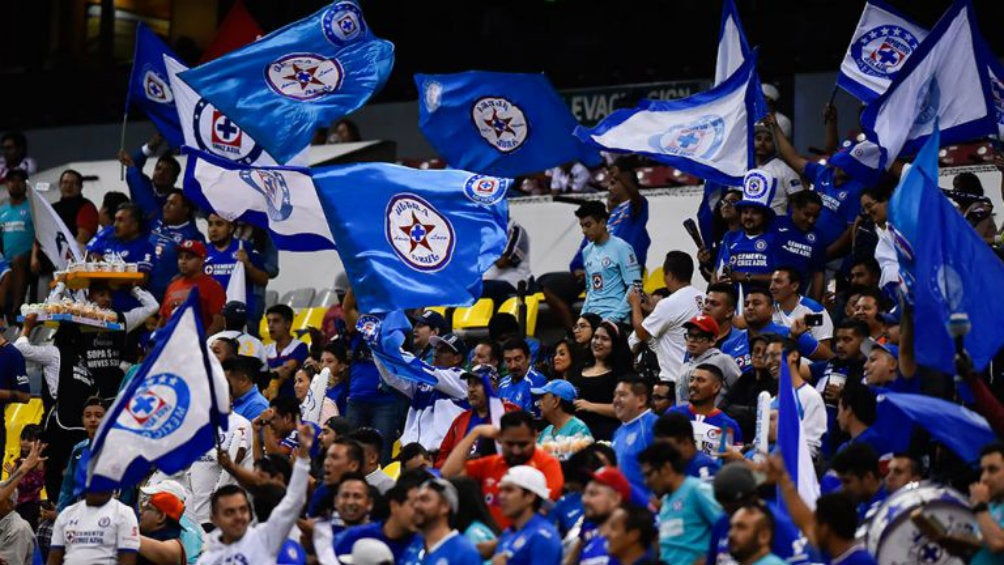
(894, 539)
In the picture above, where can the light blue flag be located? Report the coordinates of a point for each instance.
(282, 87)
(733, 50)
(791, 440)
(963, 431)
(150, 87)
(880, 46)
(709, 135)
(168, 415)
(944, 79)
(386, 334)
(946, 268)
(410, 238)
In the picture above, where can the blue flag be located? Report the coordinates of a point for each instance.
(946, 268)
(946, 80)
(733, 49)
(168, 414)
(958, 428)
(791, 439)
(709, 135)
(499, 123)
(410, 238)
(282, 87)
(150, 87)
(386, 334)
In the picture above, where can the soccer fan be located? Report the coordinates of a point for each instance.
(750, 254)
(751, 529)
(677, 430)
(521, 378)
(631, 406)
(150, 192)
(436, 505)
(15, 154)
(372, 444)
(857, 467)
(398, 530)
(353, 502)
(800, 246)
(247, 400)
(225, 251)
(344, 456)
(160, 530)
(175, 225)
(75, 476)
(987, 498)
(610, 264)
(286, 353)
(127, 240)
(611, 359)
(720, 305)
(847, 364)
(17, 236)
(191, 255)
(883, 368)
(663, 396)
(486, 407)
(662, 329)
(426, 325)
(502, 279)
(787, 181)
(529, 537)
(79, 214)
(812, 409)
(688, 509)
(606, 491)
(856, 413)
(790, 304)
(758, 315)
(701, 332)
(206, 474)
(235, 316)
(98, 529)
(712, 425)
(630, 532)
(903, 470)
(557, 408)
(13, 380)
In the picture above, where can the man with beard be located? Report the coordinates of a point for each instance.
(530, 538)
(606, 492)
(848, 366)
(750, 254)
(709, 422)
(225, 251)
(343, 457)
(435, 505)
(750, 533)
(398, 530)
(518, 437)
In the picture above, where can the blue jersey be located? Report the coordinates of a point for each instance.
(454, 548)
(627, 227)
(702, 466)
(788, 542)
(219, 264)
(594, 546)
(251, 404)
(18, 229)
(100, 239)
(536, 543)
(631, 439)
(802, 251)
(685, 521)
(13, 376)
(566, 511)
(139, 251)
(519, 393)
(403, 549)
(756, 255)
(164, 239)
(365, 385)
(841, 204)
(295, 350)
(611, 269)
(737, 345)
(708, 429)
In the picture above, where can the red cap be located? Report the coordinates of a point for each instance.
(193, 246)
(706, 324)
(169, 504)
(613, 478)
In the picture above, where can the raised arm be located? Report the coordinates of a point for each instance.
(784, 148)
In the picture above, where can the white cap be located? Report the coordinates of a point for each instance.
(528, 478)
(368, 551)
(770, 91)
(169, 486)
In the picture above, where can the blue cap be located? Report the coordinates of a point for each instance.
(558, 387)
(871, 344)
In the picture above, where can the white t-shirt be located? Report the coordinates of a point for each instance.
(249, 345)
(205, 475)
(665, 324)
(94, 535)
(788, 183)
(806, 306)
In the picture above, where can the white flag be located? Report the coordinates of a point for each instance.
(732, 47)
(882, 43)
(55, 239)
(237, 285)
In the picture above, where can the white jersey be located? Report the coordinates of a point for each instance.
(806, 306)
(95, 535)
(788, 183)
(261, 543)
(205, 475)
(249, 345)
(665, 325)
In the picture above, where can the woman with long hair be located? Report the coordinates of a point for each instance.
(565, 360)
(473, 519)
(582, 334)
(611, 359)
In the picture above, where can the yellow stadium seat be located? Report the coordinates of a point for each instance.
(17, 416)
(395, 450)
(393, 470)
(263, 332)
(476, 316)
(533, 301)
(654, 281)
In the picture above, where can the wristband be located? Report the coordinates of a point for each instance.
(981, 507)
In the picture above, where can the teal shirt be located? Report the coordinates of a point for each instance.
(478, 532)
(685, 522)
(611, 268)
(770, 559)
(18, 229)
(572, 428)
(984, 556)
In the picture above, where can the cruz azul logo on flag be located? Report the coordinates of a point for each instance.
(433, 94)
(304, 76)
(156, 87)
(500, 122)
(485, 190)
(422, 237)
(700, 138)
(368, 326)
(342, 23)
(158, 408)
(882, 51)
(928, 102)
(272, 185)
(217, 134)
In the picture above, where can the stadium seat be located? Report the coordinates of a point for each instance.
(324, 298)
(299, 298)
(308, 318)
(393, 470)
(654, 281)
(476, 316)
(17, 416)
(263, 331)
(271, 297)
(511, 306)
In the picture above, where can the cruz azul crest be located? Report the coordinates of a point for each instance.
(343, 23)
(217, 134)
(158, 408)
(422, 237)
(700, 138)
(882, 51)
(272, 185)
(368, 326)
(304, 76)
(156, 87)
(486, 190)
(501, 123)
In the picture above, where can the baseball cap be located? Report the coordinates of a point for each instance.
(235, 310)
(452, 341)
(169, 486)
(447, 490)
(192, 246)
(703, 323)
(368, 551)
(169, 504)
(526, 477)
(432, 319)
(558, 387)
(613, 478)
(868, 346)
(734, 482)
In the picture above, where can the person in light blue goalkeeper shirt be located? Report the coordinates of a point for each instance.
(610, 263)
(689, 509)
(435, 505)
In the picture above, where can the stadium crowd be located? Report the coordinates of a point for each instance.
(633, 439)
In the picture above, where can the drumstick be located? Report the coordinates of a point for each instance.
(691, 226)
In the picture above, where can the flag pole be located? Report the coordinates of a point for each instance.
(125, 118)
(833, 95)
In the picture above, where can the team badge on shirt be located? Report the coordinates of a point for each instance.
(882, 51)
(215, 133)
(700, 138)
(343, 23)
(272, 185)
(158, 408)
(500, 122)
(156, 87)
(420, 236)
(486, 190)
(304, 76)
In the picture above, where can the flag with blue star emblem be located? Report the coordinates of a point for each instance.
(944, 80)
(281, 88)
(880, 46)
(169, 413)
(504, 124)
(150, 86)
(946, 268)
(410, 238)
(709, 134)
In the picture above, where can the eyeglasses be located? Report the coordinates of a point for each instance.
(696, 337)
